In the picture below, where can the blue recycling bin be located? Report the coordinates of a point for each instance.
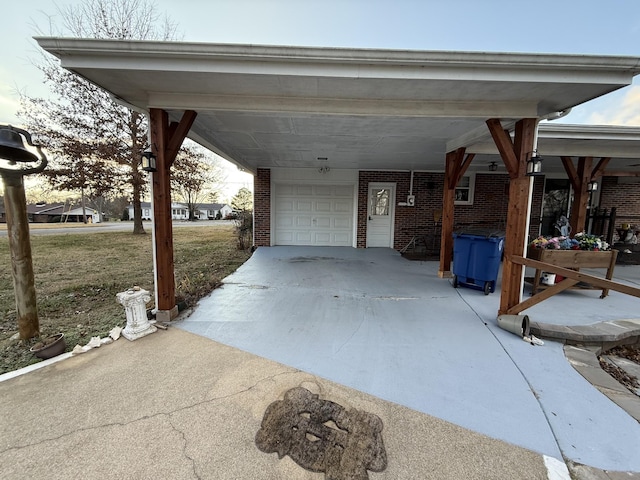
(476, 259)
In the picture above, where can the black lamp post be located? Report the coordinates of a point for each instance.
(16, 161)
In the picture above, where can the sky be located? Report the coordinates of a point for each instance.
(599, 27)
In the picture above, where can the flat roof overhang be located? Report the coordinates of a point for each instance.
(283, 106)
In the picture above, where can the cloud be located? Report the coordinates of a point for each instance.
(625, 111)
(9, 104)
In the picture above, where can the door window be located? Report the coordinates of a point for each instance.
(380, 199)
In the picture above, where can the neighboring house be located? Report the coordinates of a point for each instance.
(210, 211)
(180, 211)
(60, 213)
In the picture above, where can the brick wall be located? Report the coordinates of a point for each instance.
(489, 209)
(402, 180)
(262, 208)
(624, 196)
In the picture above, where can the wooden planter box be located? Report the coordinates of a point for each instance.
(575, 260)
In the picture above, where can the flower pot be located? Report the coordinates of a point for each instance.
(49, 347)
(548, 278)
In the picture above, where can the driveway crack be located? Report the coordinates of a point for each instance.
(184, 449)
(152, 416)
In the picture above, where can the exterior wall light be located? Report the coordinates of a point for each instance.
(493, 166)
(534, 165)
(149, 161)
(592, 186)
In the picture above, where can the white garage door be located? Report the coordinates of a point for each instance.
(314, 215)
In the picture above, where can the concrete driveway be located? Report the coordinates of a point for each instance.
(378, 323)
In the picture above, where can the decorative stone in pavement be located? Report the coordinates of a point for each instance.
(322, 436)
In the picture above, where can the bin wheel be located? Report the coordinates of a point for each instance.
(455, 281)
(487, 288)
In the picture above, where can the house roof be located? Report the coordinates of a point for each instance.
(283, 106)
(211, 206)
(45, 208)
(57, 209)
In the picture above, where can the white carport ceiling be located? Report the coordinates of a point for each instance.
(269, 106)
(620, 143)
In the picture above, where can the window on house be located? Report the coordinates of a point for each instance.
(464, 190)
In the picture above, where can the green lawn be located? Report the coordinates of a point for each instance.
(78, 276)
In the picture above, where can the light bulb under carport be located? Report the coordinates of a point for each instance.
(323, 168)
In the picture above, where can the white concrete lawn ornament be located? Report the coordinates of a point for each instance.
(134, 301)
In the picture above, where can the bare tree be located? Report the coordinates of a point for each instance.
(195, 178)
(85, 129)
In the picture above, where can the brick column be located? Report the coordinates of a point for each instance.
(262, 208)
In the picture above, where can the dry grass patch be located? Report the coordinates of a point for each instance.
(78, 275)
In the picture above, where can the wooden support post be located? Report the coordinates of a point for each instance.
(165, 142)
(514, 156)
(446, 234)
(456, 166)
(21, 262)
(578, 217)
(580, 178)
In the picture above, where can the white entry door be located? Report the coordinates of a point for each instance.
(380, 214)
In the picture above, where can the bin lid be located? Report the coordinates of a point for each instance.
(480, 232)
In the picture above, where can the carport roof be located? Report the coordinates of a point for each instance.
(284, 106)
(619, 143)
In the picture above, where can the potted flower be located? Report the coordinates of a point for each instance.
(582, 251)
(580, 241)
